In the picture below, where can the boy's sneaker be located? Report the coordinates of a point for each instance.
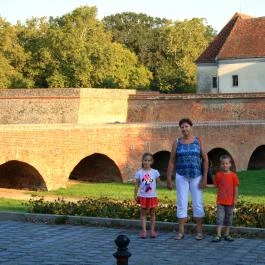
(228, 238)
(216, 239)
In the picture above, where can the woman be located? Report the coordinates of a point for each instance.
(186, 157)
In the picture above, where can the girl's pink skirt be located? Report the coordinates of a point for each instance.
(148, 202)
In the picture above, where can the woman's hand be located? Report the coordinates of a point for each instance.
(171, 165)
(169, 185)
(203, 183)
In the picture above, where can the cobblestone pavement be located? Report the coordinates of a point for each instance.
(24, 243)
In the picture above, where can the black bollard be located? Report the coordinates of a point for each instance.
(122, 254)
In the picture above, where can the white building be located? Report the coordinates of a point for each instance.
(235, 61)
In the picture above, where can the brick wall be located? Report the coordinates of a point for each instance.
(199, 107)
(47, 133)
(34, 106)
(103, 105)
(55, 150)
(89, 106)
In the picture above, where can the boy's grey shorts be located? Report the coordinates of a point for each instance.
(224, 215)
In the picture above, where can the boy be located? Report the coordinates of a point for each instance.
(227, 183)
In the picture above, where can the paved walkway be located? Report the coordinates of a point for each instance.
(24, 243)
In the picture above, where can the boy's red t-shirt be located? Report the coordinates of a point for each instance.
(226, 183)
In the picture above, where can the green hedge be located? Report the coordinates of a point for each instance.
(246, 214)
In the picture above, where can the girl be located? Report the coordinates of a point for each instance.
(145, 192)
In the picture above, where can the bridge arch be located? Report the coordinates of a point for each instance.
(96, 168)
(214, 158)
(257, 159)
(15, 174)
(161, 160)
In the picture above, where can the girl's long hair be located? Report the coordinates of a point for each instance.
(145, 155)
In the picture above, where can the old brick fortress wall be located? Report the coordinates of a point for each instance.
(90, 106)
(199, 107)
(51, 135)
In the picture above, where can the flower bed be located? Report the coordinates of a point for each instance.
(246, 214)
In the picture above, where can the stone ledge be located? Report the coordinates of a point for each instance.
(122, 223)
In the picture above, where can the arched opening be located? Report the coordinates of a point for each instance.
(161, 162)
(19, 175)
(214, 159)
(257, 159)
(96, 168)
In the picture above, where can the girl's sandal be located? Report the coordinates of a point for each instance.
(199, 236)
(179, 236)
(143, 235)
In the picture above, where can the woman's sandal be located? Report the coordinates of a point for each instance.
(154, 235)
(179, 236)
(199, 236)
(216, 239)
(143, 235)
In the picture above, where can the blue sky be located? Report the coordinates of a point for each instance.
(216, 12)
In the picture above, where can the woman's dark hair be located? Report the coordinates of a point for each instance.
(185, 120)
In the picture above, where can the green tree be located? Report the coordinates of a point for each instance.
(185, 41)
(142, 34)
(81, 54)
(77, 50)
(168, 49)
(69, 51)
(135, 31)
(12, 58)
(32, 37)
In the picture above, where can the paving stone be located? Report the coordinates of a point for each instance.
(24, 243)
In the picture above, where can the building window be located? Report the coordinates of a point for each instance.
(214, 82)
(235, 80)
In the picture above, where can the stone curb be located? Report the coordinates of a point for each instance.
(121, 223)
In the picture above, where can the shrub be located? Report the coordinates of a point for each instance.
(246, 214)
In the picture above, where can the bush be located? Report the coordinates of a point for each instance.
(246, 214)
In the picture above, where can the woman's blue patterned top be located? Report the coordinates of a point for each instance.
(188, 159)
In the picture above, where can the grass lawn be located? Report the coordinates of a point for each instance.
(251, 189)
(12, 205)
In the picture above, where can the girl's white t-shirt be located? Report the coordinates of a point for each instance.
(147, 180)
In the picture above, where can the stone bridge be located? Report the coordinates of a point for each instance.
(49, 136)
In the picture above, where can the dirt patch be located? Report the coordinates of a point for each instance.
(14, 194)
(25, 195)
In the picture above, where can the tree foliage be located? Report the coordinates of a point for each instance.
(126, 50)
(141, 34)
(184, 42)
(12, 57)
(74, 51)
(167, 49)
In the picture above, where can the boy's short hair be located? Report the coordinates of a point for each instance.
(223, 157)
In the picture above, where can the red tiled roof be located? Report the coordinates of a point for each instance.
(242, 37)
